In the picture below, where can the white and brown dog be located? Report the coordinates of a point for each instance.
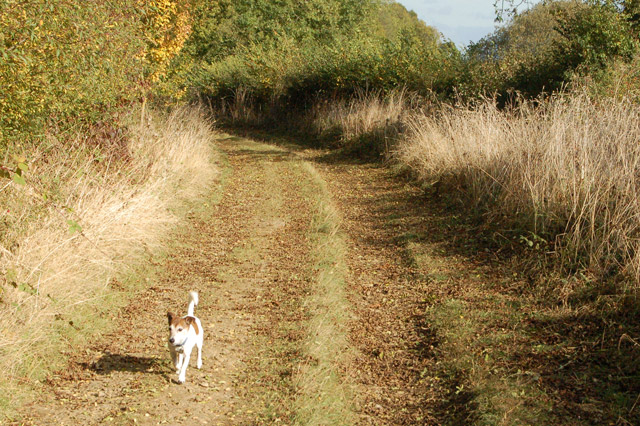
(186, 332)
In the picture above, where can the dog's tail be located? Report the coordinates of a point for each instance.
(193, 301)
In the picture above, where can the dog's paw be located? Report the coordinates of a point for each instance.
(181, 379)
(199, 365)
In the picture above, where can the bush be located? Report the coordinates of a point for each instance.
(592, 36)
(547, 47)
(333, 49)
(72, 62)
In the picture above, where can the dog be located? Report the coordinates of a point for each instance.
(185, 333)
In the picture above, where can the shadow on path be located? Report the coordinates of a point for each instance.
(110, 362)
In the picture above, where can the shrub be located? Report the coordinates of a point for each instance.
(592, 36)
(547, 47)
(294, 53)
(72, 62)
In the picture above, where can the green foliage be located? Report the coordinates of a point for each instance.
(375, 65)
(621, 79)
(73, 226)
(295, 51)
(548, 46)
(592, 36)
(212, 36)
(518, 56)
(64, 61)
(393, 20)
(15, 171)
(69, 63)
(265, 22)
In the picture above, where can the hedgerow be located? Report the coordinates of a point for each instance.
(69, 63)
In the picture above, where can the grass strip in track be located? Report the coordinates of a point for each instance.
(323, 396)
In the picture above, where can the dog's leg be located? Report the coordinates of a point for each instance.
(185, 364)
(180, 360)
(199, 345)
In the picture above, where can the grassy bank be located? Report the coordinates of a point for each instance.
(92, 210)
(558, 178)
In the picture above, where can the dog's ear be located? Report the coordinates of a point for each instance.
(190, 320)
(170, 317)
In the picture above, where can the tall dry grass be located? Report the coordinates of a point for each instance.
(566, 171)
(123, 197)
(369, 120)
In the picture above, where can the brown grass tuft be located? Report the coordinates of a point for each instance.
(369, 120)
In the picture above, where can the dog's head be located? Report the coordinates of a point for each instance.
(178, 329)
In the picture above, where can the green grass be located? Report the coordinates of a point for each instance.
(324, 396)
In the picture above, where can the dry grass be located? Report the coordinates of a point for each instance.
(363, 114)
(241, 110)
(125, 199)
(564, 174)
(369, 120)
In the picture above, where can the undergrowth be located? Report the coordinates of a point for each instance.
(559, 177)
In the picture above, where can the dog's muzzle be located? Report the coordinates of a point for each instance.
(178, 348)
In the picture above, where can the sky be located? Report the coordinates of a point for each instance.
(461, 21)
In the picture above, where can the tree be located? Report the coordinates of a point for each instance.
(509, 8)
(594, 35)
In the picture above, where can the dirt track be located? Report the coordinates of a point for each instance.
(247, 253)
